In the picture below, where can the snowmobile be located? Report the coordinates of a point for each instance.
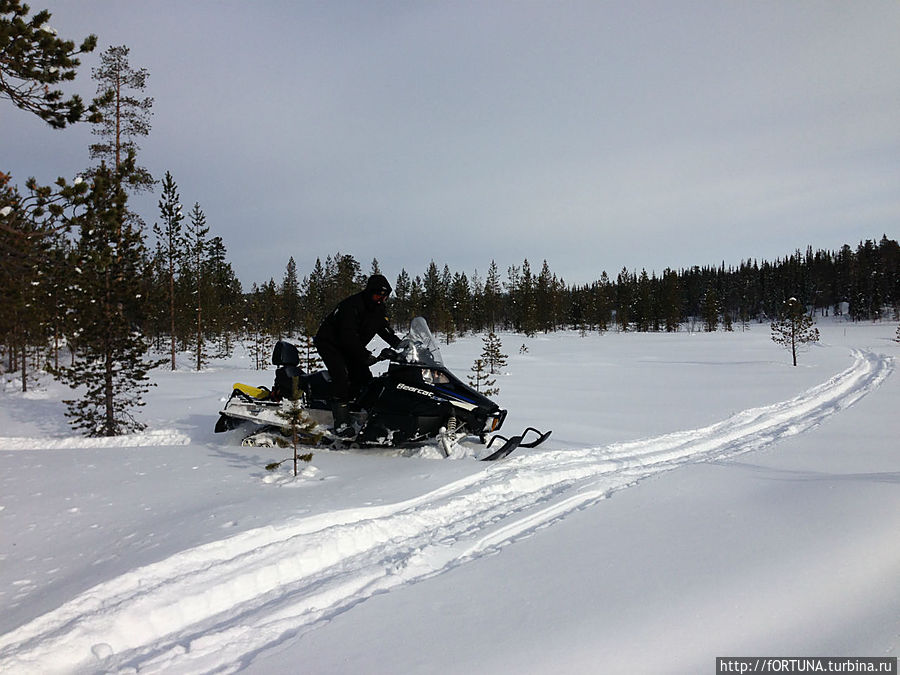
(417, 401)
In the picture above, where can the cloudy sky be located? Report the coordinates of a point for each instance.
(593, 134)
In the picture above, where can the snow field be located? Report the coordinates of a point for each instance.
(218, 606)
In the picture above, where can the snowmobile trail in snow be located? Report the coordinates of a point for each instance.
(217, 606)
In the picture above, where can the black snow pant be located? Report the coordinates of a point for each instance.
(347, 375)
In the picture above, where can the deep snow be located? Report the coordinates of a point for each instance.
(699, 497)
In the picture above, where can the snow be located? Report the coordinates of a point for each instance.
(699, 497)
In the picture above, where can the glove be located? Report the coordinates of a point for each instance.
(387, 354)
(372, 360)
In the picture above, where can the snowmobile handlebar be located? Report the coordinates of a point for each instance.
(388, 354)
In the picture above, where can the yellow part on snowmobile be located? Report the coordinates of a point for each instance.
(255, 392)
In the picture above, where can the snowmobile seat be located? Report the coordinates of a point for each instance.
(285, 354)
(318, 389)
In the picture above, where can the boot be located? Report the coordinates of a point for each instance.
(343, 427)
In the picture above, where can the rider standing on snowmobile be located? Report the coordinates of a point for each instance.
(341, 342)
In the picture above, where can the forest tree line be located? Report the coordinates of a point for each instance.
(861, 283)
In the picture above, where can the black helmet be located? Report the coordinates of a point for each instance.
(378, 284)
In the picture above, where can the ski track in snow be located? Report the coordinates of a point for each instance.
(215, 607)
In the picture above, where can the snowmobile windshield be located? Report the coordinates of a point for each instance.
(419, 346)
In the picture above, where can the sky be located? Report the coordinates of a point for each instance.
(594, 135)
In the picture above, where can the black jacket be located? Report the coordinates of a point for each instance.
(353, 323)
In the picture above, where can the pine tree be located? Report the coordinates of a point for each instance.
(642, 305)
(460, 302)
(794, 328)
(297, 422)
(546, 300)
(309, 355)
(226, 298)
(170, 238)
(112, 368)
(344, 278)
(433, 300)
(259, 324)
(603, 302)
(480, 380)
(314, 291)
(581, 310)
(528, 311)
(492, 296)
(492, 354)
(711, 310)
(624, 293)
(401, 309)
(477, 317)
(450, 326)
(290, 298)
(416, 297)
(33, 59)
(124, 116)
(671, 300)
(197, 245)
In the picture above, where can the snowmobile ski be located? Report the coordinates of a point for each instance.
(510, 444)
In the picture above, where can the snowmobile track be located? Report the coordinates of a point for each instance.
(215, 607)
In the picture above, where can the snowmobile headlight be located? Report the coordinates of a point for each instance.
(497, 420)
(494, 422)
